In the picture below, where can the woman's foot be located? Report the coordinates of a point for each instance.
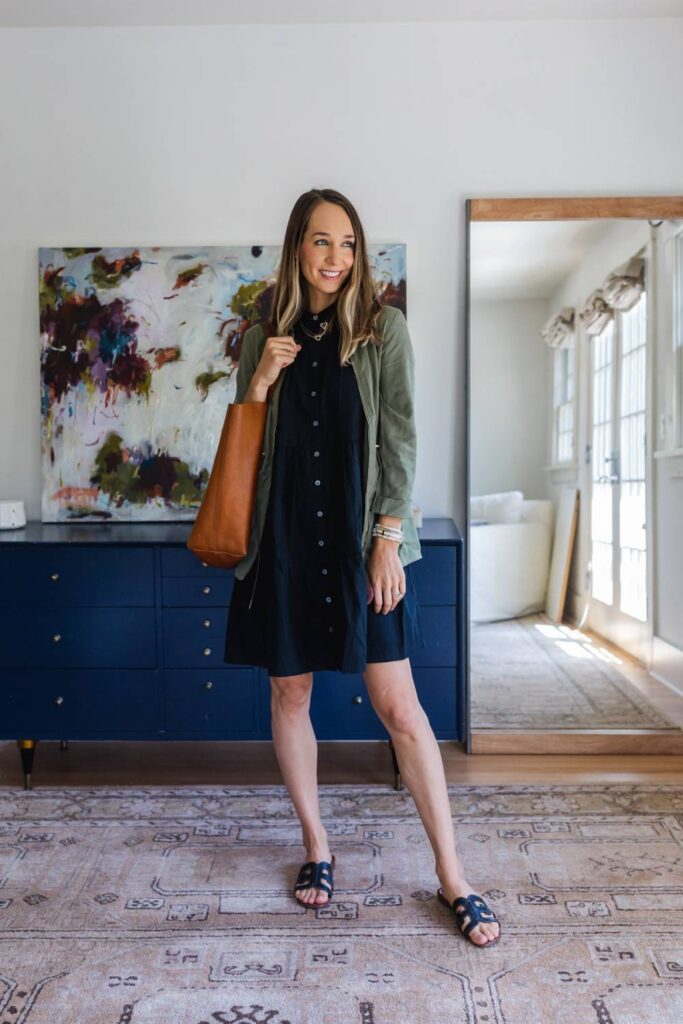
(316, 850)
(483, 932)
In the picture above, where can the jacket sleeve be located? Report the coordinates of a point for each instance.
(396, 434)
(248, 361)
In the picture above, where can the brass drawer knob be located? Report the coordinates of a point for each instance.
(208, 685)
(58, 701)
(54, 576)
(57, 637)
(206, 590)
(205, 564)
(207, 652)
(206, 623)
(358, 699)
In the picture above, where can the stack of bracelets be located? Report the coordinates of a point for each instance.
(390, 532)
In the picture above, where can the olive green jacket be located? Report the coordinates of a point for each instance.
(386, 377)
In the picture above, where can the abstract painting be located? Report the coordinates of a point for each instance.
(139, 350)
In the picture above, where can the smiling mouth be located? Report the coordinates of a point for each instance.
(331, 274)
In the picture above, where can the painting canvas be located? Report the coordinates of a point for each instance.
(139, 350)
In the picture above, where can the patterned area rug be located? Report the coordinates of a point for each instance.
(150, 905)
(529, 673)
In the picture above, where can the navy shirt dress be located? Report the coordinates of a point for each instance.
(303, 604)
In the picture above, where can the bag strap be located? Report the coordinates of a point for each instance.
(269, 334)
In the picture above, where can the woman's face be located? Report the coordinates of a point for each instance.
(328, 245)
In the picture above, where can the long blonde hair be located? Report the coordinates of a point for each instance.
(358, 305)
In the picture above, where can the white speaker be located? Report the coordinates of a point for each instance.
(12, 515)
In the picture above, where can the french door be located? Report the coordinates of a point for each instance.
(618, 504)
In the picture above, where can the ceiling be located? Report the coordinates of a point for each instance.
(527, 259)
(94, 13)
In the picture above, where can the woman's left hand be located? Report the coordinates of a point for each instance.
(386, 576)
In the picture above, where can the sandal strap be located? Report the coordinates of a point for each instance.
(477, 909)
(315, 874)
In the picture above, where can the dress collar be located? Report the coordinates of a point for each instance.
(314, 319)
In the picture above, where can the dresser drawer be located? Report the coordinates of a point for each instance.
(437, 690)
(78, 638)
(222, 703)
(49, 575)
(438, 629)
(194, 622)
(196, 636)
(193, 590)
(181, 562)
(341, 708)
(62, 704)
(435, 575)
(193, 651)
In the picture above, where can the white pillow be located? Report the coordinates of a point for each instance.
(505, 507)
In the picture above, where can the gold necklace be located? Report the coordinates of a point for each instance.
(325, 324)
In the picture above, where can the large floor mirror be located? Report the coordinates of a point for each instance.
(575, 475)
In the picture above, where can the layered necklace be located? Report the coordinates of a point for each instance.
(324, 325)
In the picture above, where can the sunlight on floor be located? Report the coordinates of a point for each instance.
(575, 634)
(573, 649)
(551, 631)
(608, 656)
(575, 643)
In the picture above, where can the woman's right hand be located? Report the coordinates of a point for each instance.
(277, 353)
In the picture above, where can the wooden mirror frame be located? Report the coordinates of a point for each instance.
(553, 208)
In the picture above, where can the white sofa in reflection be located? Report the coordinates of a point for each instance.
(510, 547)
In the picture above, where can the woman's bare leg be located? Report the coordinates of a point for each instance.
(393, 696)
(296, 750)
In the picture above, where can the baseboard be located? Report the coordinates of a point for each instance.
(667, 664)
(578, 741)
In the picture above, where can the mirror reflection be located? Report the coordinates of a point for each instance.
(575, 468)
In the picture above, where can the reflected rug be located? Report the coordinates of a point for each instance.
(530, 673)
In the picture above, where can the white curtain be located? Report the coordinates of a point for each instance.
(558, 331)
(596, 312)
(624, 286)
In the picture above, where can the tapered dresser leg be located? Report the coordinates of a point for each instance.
(27, 749)
(397, 771)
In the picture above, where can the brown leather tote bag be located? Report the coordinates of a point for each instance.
(220, 534)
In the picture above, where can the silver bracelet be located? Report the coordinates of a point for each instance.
(389, 532)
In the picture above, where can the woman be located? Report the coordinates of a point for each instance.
(326, 583)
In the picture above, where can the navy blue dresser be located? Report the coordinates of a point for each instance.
(117, 632)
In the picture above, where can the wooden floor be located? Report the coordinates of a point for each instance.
(88, 763)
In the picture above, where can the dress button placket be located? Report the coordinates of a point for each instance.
(317, 482)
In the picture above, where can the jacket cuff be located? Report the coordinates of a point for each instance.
(393, 507)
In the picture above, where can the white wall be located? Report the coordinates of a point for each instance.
(187, 135)
(510, 427)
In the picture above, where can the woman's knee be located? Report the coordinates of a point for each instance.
(392, 693)
(399, 713)
(406, 718)
(291, 693)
